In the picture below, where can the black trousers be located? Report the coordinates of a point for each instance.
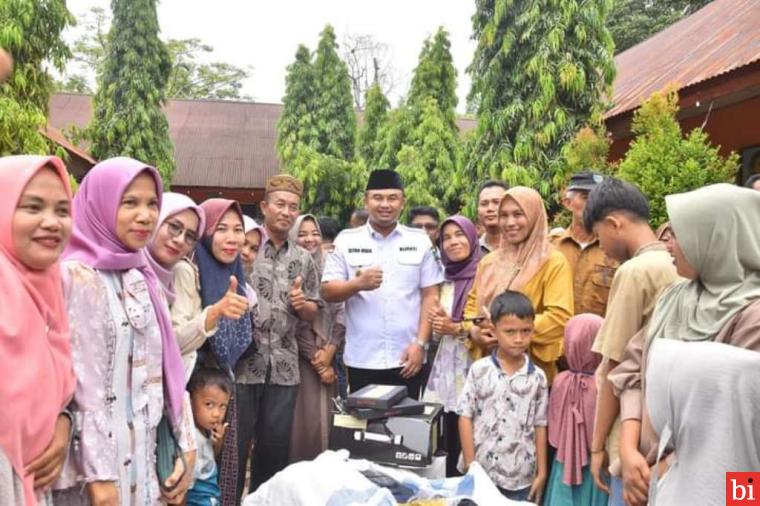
(449, 441)
(265, 419)
(360, 378)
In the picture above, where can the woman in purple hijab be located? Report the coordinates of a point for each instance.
(460, 253)
(128, 365)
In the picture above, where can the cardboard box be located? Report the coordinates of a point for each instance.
(377, 396)
(397, 440)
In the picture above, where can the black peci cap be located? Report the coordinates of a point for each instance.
(384, 179)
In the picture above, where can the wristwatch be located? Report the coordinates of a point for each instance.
(422, 344)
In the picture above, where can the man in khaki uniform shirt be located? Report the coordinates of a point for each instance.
(592, 269)
(618, 213)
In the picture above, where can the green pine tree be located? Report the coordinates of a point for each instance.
(128, 119)
(296, 125)
(317, 131)
(394, 133)
(538, 75)
(334, 115)
(375, 113)
(31, 31)
(420, 139)
(435, 76)
(429, 164)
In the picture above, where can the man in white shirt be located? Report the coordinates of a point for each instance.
(388, 276)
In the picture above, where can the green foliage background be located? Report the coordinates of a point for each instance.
(31, 31)
(128, 119)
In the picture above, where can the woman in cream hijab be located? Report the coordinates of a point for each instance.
(701, 397)
(318, 342)
(528, 263)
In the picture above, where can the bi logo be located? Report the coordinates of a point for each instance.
(742, 489)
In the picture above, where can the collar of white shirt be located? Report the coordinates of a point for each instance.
(377, 235)
(527, 368)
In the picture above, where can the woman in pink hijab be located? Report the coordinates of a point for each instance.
(35, 224)
(571, 418)
(128, 364)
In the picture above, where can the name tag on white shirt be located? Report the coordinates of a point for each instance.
(410, 254)
(360, 256)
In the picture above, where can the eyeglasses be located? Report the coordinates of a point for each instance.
(426, 226)
(176, 230)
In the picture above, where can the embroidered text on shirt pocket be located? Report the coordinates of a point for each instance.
(360, 257)
(409, 255)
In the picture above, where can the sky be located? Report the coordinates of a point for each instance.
(265, 34)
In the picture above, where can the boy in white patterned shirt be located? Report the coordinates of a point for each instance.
(502, 410)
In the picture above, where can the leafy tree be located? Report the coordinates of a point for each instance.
(317, 130)
(369, 134)
(20, 129)
(435, 76)
(662, 161)
(420, 139)
(332, 186)
(538, 75)
(88, 52)
(429, 164)
(295, 127)
(394, 133)
(191, 79)
(128, 119)
(588, 150)
(633, 21)
(334, 115)
(31, 31)
(188, 78)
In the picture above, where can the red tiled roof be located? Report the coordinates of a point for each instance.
(721, 37)
(216, 143)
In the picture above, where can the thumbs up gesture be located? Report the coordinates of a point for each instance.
(232, 305)
(370, 278)
(297, 297)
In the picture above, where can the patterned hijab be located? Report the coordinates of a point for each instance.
(233, 336)
(95, 243)
(514, 269)
(34, 333)
(723, 246)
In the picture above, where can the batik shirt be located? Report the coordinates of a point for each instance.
(505, 411)
(276, 322)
